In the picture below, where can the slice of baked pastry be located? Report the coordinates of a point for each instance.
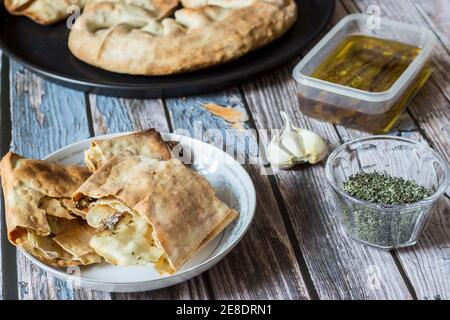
(150, 211)
(148, 143)
(126, 38)
(37, 218)
(43, 11)
(51, 11)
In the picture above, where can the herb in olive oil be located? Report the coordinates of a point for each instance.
(369, 64)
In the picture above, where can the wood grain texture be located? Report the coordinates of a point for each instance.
(437, 13)
(427, 264)
(45, 117)
(263, 265)
(340, 268)
(112, 115)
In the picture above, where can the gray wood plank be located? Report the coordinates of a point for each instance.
(263, 265)
(121, 115)
(425, 264)
(340, 268)
(437, 13)
(45, 117)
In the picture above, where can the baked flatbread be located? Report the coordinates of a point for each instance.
(37, 219)
(148, 143)
(43, 11)
(150, 211)
(126, 38)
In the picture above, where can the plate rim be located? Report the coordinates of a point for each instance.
(188, 273)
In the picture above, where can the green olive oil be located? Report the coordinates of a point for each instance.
(369, 64)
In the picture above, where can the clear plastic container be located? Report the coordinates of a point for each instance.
(370, 111)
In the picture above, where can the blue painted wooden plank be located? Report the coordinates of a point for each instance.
(45, 117)
(120, 115)
(263, 265)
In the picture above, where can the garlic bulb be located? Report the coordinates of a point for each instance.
(294, 145)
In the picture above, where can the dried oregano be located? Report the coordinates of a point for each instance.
(382, 188)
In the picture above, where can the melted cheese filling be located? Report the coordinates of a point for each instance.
(104, 212)
(126, 238)
(130, 243)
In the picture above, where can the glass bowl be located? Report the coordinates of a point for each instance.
(387, 226)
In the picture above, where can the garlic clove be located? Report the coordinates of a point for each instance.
(293, 142)
(278, 157)
(294, 145)
(315, 147)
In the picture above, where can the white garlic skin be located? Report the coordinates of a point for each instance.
(295, 145)
(314, 145)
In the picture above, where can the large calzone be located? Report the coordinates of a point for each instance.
(148, 143)
(150, 211)
(40, 215)
(129, 38)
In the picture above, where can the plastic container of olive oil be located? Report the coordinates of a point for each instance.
(364, 72)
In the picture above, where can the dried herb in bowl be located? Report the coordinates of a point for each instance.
(384, 228)
(382, 188)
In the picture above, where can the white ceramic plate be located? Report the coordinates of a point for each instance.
(233, 186)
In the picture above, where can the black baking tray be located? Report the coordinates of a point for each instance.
(43, 49)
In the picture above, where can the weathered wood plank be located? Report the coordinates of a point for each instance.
(263, 265)
(45, 117)
(425, 264)
(341, 268)
(437, 13)
(121, 115)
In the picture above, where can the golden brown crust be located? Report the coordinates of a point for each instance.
(47, 12)
(44, 12)
(131, 41)
(180, 204)
(148, 143)
(26, 184)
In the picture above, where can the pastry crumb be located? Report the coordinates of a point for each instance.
(229, 114)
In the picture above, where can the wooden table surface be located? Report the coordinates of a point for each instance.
(295, 248)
